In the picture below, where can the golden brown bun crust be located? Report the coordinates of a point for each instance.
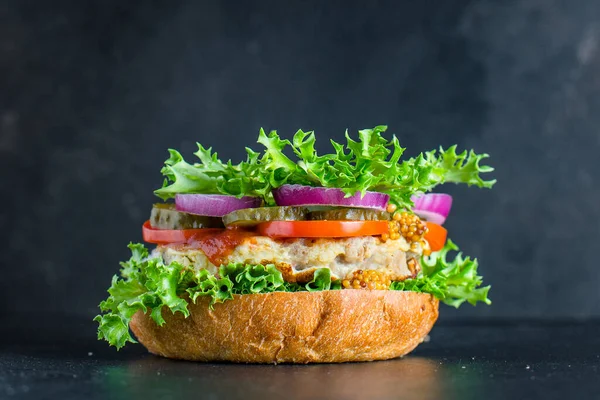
(302, 327)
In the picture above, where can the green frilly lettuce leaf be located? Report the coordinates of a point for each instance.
(371, 163)
(211, 176)
(148, 285)
(451, 281)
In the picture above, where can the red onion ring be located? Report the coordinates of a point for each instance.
(433, 207)
(300, 195)
(213, 205)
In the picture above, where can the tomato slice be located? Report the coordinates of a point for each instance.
(164, 236)
(436, 236)
(317, 229)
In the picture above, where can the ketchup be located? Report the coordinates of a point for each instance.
(218, 245)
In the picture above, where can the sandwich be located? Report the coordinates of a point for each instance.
(292, 256)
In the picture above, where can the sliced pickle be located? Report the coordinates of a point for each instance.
(349, 214)
(165, 216)
(253, 216)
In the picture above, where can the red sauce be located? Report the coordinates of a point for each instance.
(218, 245)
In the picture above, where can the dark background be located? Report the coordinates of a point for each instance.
(93, 93)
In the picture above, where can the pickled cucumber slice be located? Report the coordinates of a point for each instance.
(165, 216)
(253, 216)
(349, 214)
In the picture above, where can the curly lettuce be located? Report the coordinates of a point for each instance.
(211, 176)
(148, 285)
(451, 281)
(371, 163)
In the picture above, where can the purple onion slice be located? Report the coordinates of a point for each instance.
(213, 205)
(300, 195)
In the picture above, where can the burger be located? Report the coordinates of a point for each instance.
(296, 257)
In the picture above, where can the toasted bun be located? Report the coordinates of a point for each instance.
(302, 327)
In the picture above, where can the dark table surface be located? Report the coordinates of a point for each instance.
(58, 358)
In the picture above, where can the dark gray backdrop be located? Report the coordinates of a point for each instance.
(92, 94)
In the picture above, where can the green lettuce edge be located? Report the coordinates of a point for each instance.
(371, 163)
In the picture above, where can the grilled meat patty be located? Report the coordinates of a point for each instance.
(298, 258)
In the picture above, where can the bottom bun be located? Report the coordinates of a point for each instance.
(302, 327)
